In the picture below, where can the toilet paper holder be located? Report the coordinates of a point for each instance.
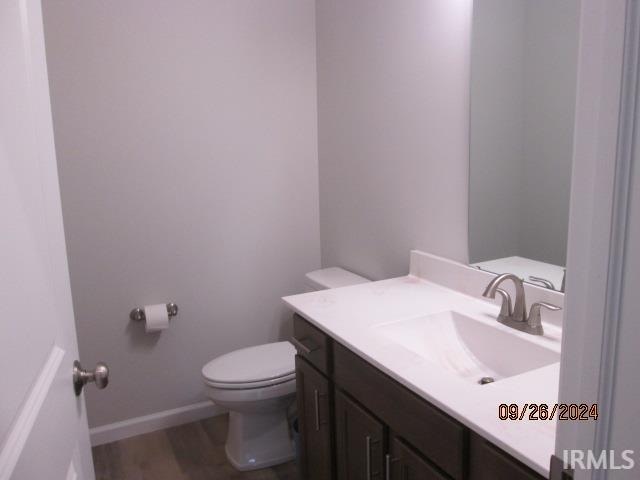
(137, 314)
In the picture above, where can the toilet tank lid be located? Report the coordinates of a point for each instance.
(333, 277)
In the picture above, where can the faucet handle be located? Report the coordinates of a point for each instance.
(535, 320)
(549, 306)
(505, 310)
(543, 281)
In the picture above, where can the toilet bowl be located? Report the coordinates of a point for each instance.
(257, 386)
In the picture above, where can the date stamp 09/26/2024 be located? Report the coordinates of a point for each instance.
(548, 412)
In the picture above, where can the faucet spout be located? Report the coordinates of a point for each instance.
(519, 313)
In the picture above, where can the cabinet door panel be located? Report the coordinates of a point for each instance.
(488, 462)
(405, 464)
(316, 462)
(359, 442)
(437, 436)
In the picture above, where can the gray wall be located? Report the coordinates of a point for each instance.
(524, 58)
(186, 141)
(497, 128)
(551, 56)
(393, 114)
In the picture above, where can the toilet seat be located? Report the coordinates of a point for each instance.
(250, 385)
(253, 367)
(230, 397)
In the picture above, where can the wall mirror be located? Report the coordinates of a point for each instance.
(523, 87)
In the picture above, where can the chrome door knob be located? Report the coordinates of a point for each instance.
(100, 376)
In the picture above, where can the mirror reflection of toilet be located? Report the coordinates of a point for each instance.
(258, 384)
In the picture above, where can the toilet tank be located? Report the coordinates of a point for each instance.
(333, 277)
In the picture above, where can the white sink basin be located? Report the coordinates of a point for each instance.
(468, 348)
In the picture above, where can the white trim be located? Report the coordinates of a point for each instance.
(627, 136)
(155, 421)
(26, 419)
(600, 70)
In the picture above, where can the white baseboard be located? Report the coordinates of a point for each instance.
(156, 421)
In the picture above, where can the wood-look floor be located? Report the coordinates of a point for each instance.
(194, 451)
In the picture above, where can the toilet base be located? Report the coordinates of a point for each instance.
(258, 440)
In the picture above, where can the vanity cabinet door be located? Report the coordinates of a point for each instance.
(359, 442)
(403, 463)
(316, 462)
(488, 462)
(434, 434)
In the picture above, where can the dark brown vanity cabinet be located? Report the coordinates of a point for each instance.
(312, 344)
(437, 436)
(314, 422)
(360, 441)
(488, 462)
(365, 450)
(404, 463)
(357, 423)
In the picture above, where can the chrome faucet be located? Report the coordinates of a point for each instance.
(518, 312)
(543, 281)
(517, 317)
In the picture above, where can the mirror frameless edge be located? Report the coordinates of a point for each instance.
(523, 86)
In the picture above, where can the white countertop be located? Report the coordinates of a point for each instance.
(348, 314)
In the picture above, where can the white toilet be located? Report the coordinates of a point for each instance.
(258, 385)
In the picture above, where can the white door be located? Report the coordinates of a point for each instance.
(43, 427)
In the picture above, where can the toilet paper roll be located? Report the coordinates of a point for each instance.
(156, 317)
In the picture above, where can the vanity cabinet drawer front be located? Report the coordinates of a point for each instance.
(314, 414)
(488, 462)
(359, 441)
(312, 344)
(405, 464)
(434, 434)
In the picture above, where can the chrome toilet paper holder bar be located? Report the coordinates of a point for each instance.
(137, 314)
